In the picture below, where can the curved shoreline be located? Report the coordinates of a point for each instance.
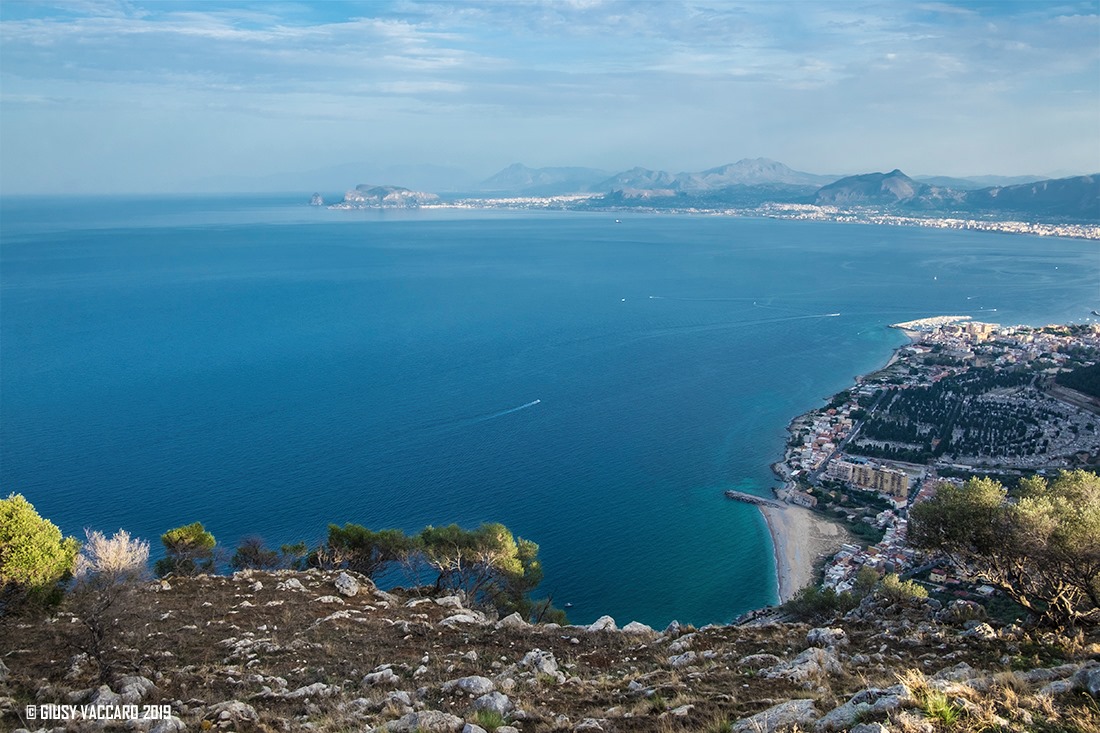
(799, 535)
(799, 538)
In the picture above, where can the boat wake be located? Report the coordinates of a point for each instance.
(502, 413)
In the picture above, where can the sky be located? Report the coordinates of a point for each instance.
(118, 96)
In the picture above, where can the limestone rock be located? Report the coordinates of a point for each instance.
(512, 621)
(1088, 680)
(540, 662)
(385, 597)
(471, 728)
(682, 644)
(1055, 688)
(960, 672)
(496, 702)
(381, 678)
(426, 721)
(603, 623)
(290, 584)
(808, 665)
(827, 637)
(779, 717)
(171, 724)
(449, 602)
(908, 721)
(759, 661)
(473, 685)
(346, 585)
(636, 628)
(463, 619)
(870, 728)
(683, 660)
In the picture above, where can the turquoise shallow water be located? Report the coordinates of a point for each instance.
(267, 368)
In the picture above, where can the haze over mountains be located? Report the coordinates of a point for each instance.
(760, 180)
(747, 183)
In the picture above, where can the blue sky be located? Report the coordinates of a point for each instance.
(119, 96)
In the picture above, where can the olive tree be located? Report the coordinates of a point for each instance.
(1040, 545)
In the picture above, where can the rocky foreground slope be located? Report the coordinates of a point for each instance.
(326, 651)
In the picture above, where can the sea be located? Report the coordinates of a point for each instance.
(594, 381)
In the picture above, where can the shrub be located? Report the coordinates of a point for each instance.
(190, 551)
(489, 564)
(894, 589)
(108, 576)
(816, 604)
(34, 557)
(544, 611)
(1041, 550)
(357, 548)
(118, 557)
(253, 554)
(490, 720)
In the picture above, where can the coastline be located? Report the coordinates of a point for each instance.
(799, 535)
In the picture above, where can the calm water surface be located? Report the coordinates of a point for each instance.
(265, 367)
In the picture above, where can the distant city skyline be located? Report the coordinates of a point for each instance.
(106, 96)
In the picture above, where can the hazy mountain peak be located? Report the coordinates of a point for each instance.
(519, 178)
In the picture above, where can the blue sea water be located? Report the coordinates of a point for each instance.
(267, 368)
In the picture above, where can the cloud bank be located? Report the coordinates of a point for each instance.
(148, 96)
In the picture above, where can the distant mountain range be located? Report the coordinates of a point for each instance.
(1076, 197)
(519, 179)
(755, 181)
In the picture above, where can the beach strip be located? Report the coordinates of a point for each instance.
(800, 538)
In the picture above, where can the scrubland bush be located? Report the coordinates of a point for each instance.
(34, 557)
(895, 590)
(1040, 547)
(818, 604)
(190, 551)
(109, 572)
(119, 558)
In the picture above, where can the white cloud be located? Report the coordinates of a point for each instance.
(641, 81)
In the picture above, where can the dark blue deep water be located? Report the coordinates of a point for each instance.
(267, 368)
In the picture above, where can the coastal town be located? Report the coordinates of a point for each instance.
(962, 399)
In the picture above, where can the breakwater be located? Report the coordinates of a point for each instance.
(753, 499)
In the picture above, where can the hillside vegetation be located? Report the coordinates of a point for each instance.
(323, 649)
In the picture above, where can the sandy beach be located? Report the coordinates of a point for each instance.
(800, 537)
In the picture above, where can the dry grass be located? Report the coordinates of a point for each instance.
(209, 640)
